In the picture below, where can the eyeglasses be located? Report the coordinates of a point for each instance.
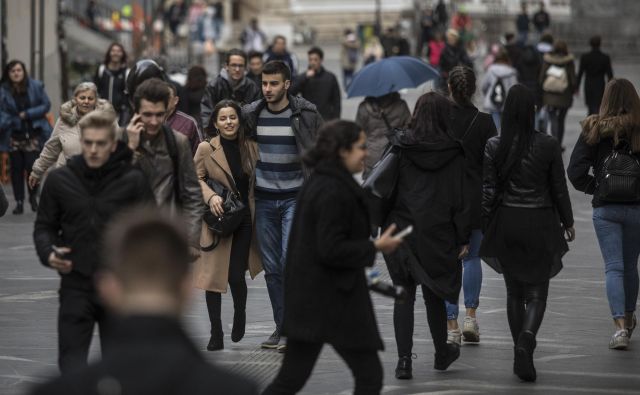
(236, 66)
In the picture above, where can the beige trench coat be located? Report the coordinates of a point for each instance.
(212, 268)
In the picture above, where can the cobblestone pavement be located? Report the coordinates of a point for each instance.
(572, 355)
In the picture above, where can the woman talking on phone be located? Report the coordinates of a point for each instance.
(430, 196)
(326, 299)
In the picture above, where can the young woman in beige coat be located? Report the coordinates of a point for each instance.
(65, 139)
(227, 157)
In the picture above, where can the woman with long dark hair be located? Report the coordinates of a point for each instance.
(474, 128)
(617, 223)
(23, 109)
(229, 159)
(326, 299)
(526, 210)
(431, 197)
(110, 78)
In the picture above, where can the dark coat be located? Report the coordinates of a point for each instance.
(77, 202)
(39, 106)
(476, 138)
(528, 65)
(150, 355)
(322, 90)
(288, 58)
(431, 195)
(537, 182)
(189, 103)
(452, 57)
(112, 85)
(326, 296)
(563, 99)
(219, 89)
(595, 66)
(587, 160)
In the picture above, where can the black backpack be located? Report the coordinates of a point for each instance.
(619, 179)
(498, 94)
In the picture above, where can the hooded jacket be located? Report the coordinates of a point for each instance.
(431, 195)
(78, 201)
(221, 88)
(587, 158)
(564, 99)
(497, 71)
(65, 139)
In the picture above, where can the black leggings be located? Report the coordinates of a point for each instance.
(301, 357)
(403, 319)
(238, 262)
(526, 304)
(21, 165)
(557, 117)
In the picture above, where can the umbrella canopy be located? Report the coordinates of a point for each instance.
(390, 75)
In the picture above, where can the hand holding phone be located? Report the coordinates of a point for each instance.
(404, 233)
(134, 129)
(387, 243)
(57, 261)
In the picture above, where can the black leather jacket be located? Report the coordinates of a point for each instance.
(538, 181)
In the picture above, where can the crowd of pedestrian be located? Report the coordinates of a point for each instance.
(258, 169)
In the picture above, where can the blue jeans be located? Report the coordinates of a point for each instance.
(471, 277)
(273, 223)
(496, 115)
(618, 231)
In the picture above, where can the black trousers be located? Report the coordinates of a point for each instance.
(21, 165)
(79, 311)
(557, 118)
(403, 318)
(238, 263)
(526, 304)
(301, 357)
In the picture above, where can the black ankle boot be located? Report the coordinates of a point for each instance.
(523, 356)
(19, 209)
(216, 342)
(443, 361)
(239, 323)
(34, 202)
(403, 368)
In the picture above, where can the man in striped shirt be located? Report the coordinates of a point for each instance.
(284, 127)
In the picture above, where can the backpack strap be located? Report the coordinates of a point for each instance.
(470, 125)
(101, 70)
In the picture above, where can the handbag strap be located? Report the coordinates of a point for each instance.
(470, 125)
(386, 121)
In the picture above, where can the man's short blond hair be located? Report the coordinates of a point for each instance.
(99, 119)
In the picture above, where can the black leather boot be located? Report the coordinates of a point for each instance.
(404, 370)
(443, 361)
(19, 208)
(34, 202)
(239, 323)
(216, 342)
(523, 356)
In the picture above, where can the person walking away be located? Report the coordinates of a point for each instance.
(78, 200)
(543, 47)
(434, 50)
(253, 38)
(426, 31)
(164, 156)
(191, 94)
(528, 67)
(558, 79)
(349, 55)
(431, 196)
(326, 296)
(65, 139)
(231, 83)
(441, 18)
(146, 284)
(284, 127)
(452, 55)
(23, 108)
(541, 20)
(474, 129)
(278, 51)
(522, 24)
(111, 77)
(616, 221)
(255, 67)
(526, 211)
(175, 16)
(595, 66)
(229, 159)
(319, 86)
(379, 117)
(500, 77)
(181, 122)
(373, 50)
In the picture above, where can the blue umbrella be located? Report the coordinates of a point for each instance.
(390, 75)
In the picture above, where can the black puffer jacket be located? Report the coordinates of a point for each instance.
(219, 89)
(77, 202)
(537, 182)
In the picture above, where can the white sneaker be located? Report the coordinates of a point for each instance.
(470, 330)
(454, 336)
(619, 340)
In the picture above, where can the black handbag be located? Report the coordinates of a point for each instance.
(223, 226)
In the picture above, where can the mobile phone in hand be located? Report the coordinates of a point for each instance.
(58, 252)
(404, 233)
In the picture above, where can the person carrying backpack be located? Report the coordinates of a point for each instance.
(558, 80)
(500, 77)
(609, 146)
